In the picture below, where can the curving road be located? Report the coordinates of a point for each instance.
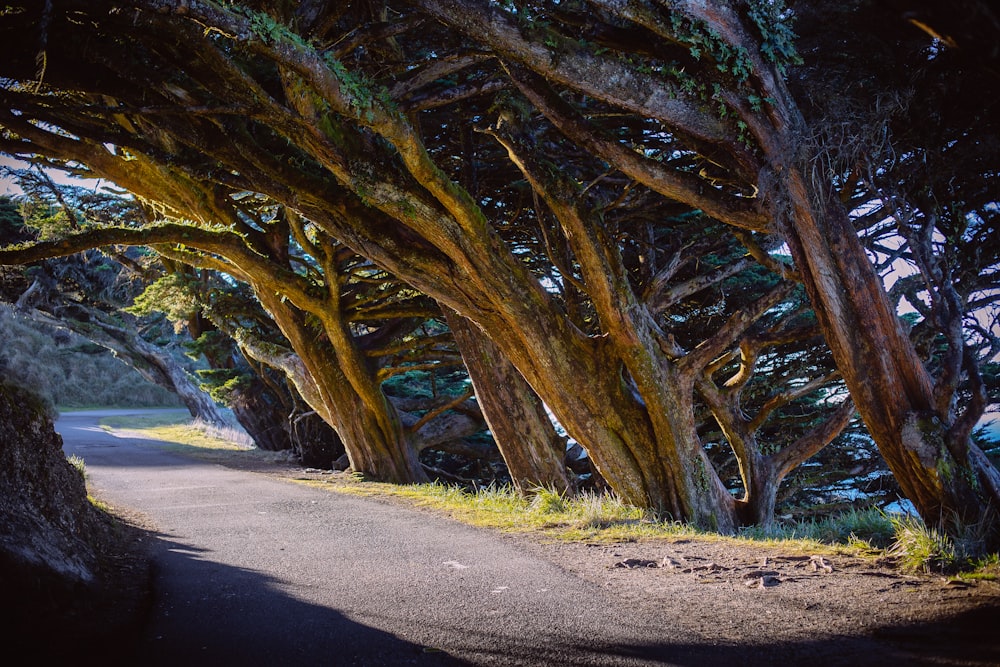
(255, 571)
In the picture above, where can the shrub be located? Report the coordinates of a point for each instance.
(922, 548)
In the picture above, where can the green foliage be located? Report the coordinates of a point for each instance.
(425, 384)
(221, 383)
(773, 19)
(11, 222)
(169, 295)
(267, 28)
(921, 548)
(361, 92)
(48, 222)
(702, 41)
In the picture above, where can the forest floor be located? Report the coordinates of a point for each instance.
(760, 598)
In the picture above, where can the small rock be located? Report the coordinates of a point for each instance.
(819, 563)
(767, 581)
(633, 563)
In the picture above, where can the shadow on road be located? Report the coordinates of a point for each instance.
(205, 613)
(970, 639)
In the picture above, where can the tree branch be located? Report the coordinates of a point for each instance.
(672, 184)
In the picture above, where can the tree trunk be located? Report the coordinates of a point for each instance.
(153, 363)
(376, 443)
(261, 415)
(534, 452)
(887, 380)
(313, 440)
(148, 360)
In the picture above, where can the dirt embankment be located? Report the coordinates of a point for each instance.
(73, 579)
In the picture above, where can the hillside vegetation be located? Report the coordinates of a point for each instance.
(70, 372)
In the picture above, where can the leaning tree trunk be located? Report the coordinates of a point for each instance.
(377, 444)
(892, 390)
(153, 364)
(533, 451)
(147, 359)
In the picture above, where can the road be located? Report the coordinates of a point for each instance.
(250, 570)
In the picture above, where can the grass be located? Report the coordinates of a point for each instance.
(865, 528)
(79, 464)
(177, 427)
(588, 517)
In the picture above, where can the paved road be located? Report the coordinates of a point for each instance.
(254, 571)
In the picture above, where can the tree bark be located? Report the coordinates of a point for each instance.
(524, 433)
(893, 392)
(372, 434)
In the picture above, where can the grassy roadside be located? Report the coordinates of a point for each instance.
(865, 533)
(178, 428)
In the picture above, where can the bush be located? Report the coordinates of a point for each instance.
(921, 548)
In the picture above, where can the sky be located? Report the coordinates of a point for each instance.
(9, 187)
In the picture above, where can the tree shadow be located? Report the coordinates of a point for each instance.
(202, 612)
(967, 639)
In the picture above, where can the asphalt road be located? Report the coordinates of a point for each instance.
(254, 571)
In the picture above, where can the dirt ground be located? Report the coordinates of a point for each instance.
(811, 609)
(770, 606)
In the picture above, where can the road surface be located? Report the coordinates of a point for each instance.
(249, 570)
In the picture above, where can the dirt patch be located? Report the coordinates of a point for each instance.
(828, 609)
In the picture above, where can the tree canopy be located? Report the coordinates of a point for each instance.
(642, 206)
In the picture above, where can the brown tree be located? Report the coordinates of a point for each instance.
(317, 107)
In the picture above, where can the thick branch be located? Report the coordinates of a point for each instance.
(672, 184)
(816, 439)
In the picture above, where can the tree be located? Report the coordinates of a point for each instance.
(316, 108)
(915, 144)
(759, 138)
(262, 401)
(84, 294)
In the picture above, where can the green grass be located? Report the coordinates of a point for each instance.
(866, 528)
(589, 517)
(920, 548)
(179, 429)
(79, 464)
